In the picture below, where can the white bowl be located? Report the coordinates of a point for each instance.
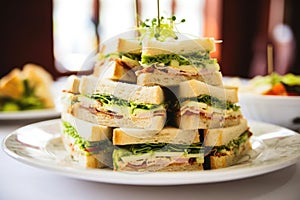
(280, 110)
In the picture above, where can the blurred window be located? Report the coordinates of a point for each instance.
(74, 33)
(77, 32)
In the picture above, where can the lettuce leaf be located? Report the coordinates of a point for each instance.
(116, 55)
(138, 149)
(214, 102)
(112, 100)
(197, 59)
(88, 147)
(233, 144)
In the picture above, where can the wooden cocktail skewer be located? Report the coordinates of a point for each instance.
(137, 17)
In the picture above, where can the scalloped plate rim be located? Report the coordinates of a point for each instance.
(239, 171)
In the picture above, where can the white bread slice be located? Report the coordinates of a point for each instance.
(114, 70)
(166, 135)
(154, 47)
(90, 132)
(101, 118)
(194, 88)
(199, 121)
(131, 92)
(164, 79)
(87, 130)
(129, 46)
(72, 84)
(222, 136)
(100, 160)
(217, 162)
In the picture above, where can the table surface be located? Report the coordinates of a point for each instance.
(21, 181)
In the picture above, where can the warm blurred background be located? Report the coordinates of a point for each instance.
(61, 34)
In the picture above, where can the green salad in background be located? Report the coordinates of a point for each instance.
(26, 89)
(284, 85)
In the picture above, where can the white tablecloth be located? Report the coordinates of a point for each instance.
(20, 181)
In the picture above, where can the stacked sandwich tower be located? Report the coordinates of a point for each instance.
(154, 106)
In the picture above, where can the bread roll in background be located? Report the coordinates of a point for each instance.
(40, 83)
(11, 85)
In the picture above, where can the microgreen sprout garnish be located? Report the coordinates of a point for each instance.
(160, 30)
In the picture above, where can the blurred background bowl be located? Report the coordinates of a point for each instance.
(280, 110)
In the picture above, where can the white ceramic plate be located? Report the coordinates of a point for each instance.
(40, 145)
(275, 109)
(280, 110)
(30, 114)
